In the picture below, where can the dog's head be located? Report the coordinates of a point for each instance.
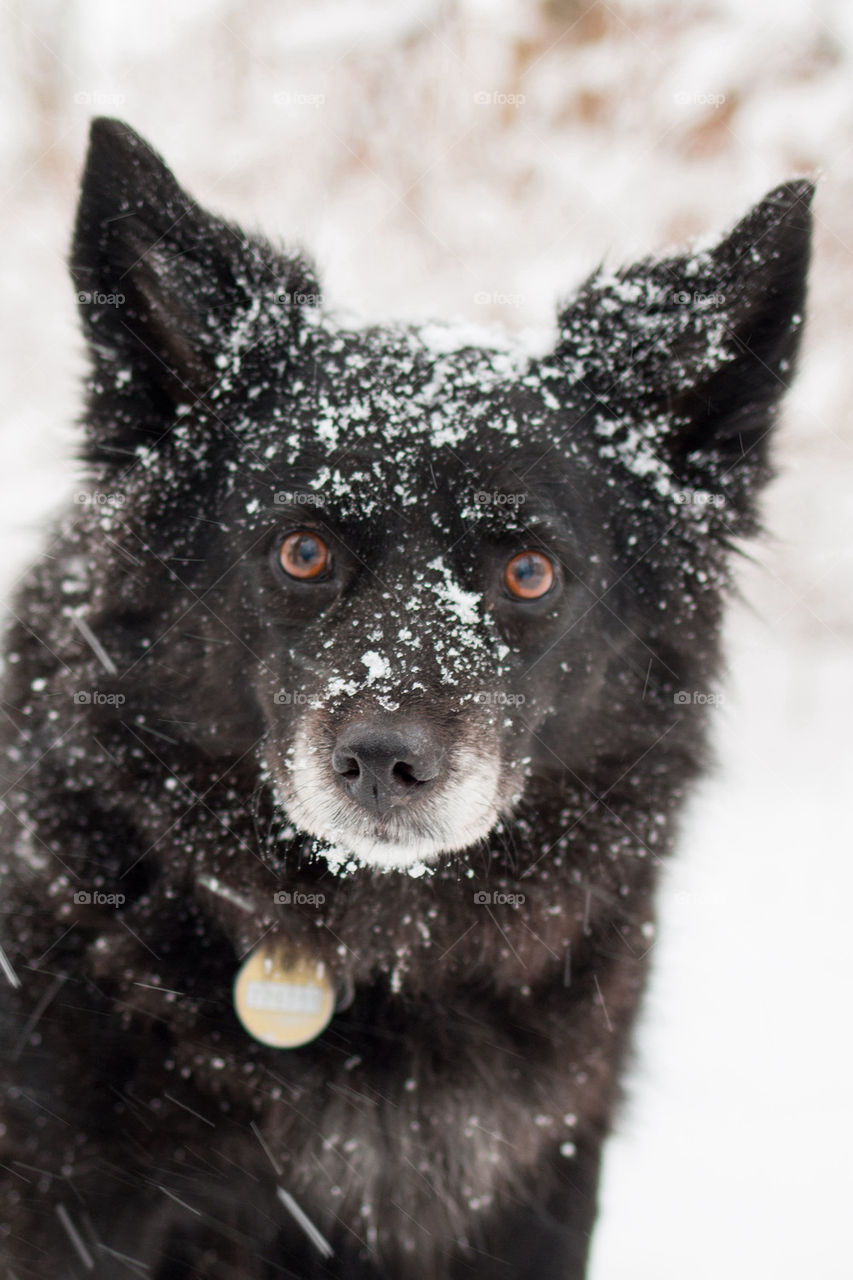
(409, 568)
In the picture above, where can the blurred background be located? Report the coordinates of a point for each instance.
(475, 158)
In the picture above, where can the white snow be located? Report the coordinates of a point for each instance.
(378, 668)
(466, 605)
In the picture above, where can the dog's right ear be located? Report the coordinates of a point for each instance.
(171, 296)
(685, 357)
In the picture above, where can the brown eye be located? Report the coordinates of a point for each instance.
(529, 575)
(304, 555)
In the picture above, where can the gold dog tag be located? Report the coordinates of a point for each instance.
(283, 1005)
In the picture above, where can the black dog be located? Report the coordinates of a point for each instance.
(371, 667)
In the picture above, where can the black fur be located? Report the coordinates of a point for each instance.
(448, 1123)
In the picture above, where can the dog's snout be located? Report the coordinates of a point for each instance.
(380, 766)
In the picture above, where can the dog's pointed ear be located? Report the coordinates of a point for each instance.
(170, 294)
(697, 348)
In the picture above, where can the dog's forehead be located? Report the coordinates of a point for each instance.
(412, 430)
(401, 395)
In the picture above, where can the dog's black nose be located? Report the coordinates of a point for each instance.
(381, 765)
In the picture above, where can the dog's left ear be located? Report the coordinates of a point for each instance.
(171, 296)
(694, 350)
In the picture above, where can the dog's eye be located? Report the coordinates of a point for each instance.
(529, 575)
(304, 555)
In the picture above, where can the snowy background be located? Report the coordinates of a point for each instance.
(476, 158)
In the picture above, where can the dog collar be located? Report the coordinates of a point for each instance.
(283, 1004)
